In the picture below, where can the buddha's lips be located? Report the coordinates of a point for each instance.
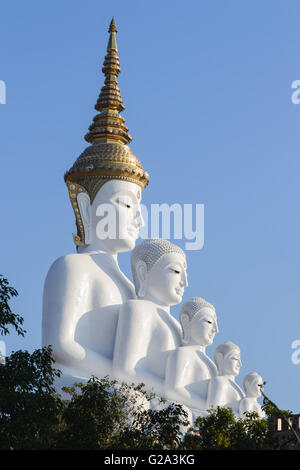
(179, 291)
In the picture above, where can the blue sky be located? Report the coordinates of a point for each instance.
(207, 90)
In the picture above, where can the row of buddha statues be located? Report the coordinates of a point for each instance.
(97, 321)
(100, 323)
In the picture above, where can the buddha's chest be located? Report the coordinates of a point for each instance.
(108, 287)
(166, 333)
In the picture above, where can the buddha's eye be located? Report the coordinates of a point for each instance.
(124, 203)
(176, 271)
(208, 321)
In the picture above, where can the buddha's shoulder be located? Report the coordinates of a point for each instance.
(71, 263)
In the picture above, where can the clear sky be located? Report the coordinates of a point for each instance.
(207, 90)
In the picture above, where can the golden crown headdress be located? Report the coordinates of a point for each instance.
(109, 156)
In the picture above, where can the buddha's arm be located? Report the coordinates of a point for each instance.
(132, 339)
(65, 294)
(245, 405)
(176, 374)
(217, 389)
(178, 371)
(248, 405)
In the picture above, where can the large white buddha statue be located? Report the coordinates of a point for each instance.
(147, 331)
(223, 390)
(188, 368)
(83, 291)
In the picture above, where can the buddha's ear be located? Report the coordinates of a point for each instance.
(185, 323)
(142, 275)
(218, 357)
(84, 204)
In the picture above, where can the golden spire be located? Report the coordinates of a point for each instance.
(109, 125)
(108, 156)
(112, 43)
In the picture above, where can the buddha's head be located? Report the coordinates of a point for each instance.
(106, 180)
(113, 220)
(227, 357)
(159, 271)
(198, 321)
(253, 385)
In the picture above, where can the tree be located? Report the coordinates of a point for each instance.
(29, 406)
(95, 414)
(162, 428)
(104, 414)
(7, 317)
(220, 430)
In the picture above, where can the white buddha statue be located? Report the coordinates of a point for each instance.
(252, 384)
(83, 291)
(188, 368)
(223, 390)
(146, 330)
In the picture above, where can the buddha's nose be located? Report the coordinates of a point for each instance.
(184, 281)
(139, 219)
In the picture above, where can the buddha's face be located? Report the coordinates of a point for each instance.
(167, 279)
(232, 362)
(203, 327)
(254, 387)
(116, 215)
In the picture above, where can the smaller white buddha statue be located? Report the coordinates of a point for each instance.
(189, 369)
(223, 390)
(252, 384)
(146, 330)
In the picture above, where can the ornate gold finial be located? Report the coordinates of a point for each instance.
(113, 26)
(108, 156)
(112, 43)
(109, 125)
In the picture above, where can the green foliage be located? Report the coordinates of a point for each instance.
(220, 430)
(103, 414)
(96, 413)
(29, 408)
(154, 429)
(7, 317)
